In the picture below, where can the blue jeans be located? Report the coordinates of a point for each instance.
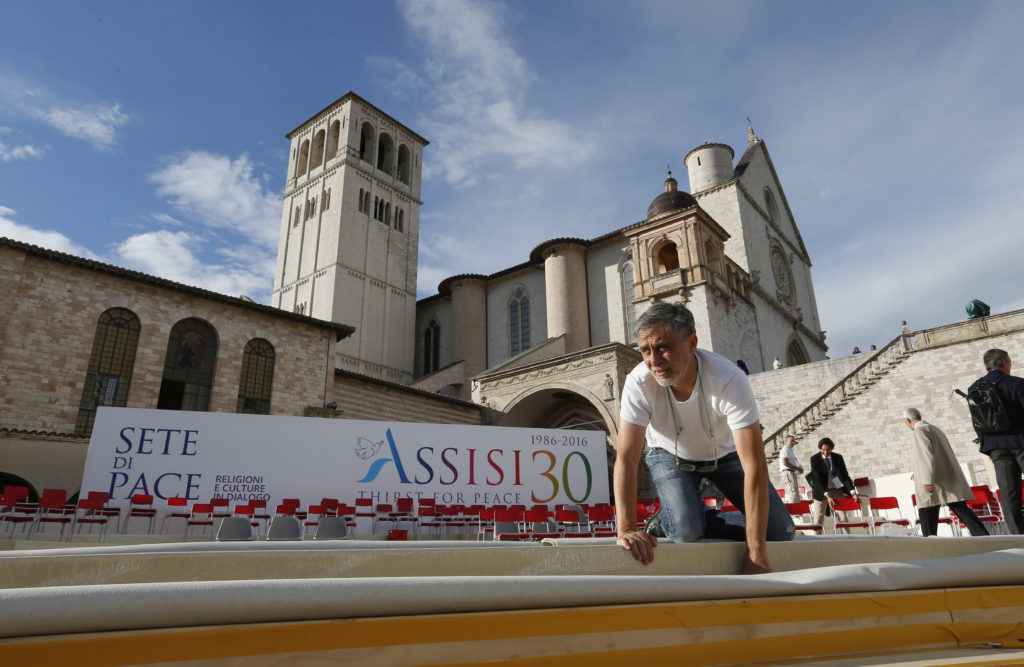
(685, 518)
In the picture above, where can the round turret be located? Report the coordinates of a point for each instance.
(709, 165)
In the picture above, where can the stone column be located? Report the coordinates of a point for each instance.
(469, 326)
(565, 290)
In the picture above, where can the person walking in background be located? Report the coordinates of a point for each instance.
(938, 479)
(790, 469)
(1006, 448)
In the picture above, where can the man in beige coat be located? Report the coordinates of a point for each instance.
(938, 478)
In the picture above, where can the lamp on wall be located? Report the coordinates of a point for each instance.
(331, 406)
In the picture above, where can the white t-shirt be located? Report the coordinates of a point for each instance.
(786, 454)
(722, 393)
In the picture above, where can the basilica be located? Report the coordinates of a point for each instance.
(545, 343)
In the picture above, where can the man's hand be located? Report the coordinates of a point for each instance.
(640, 544)
(831, 503)
(756, 564)
(929, 488)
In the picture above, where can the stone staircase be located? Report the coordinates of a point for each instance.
(876, 366)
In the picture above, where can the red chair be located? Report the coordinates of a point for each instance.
(508, 525)
(849, 505)
(988, 509)
(451, 517)
(296, 505)
(90, 513)
(884, 504)
(107, 510)
(221, 507)
(426, 517)
(313, 515)
(330, 506)
(177, 508)
(14, 509)
(247, 512)
(201, 515)
(802, 509)
(141, 506)
(383, 514)
(602, 521)
(52, 509)
(571, 523)
(539, 525)
(485, 523)
(260, 513)
(348, 513)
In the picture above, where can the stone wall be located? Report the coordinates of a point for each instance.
(783, 393)
(361, 397)
(869, 431)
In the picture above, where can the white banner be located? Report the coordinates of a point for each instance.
(202, 455)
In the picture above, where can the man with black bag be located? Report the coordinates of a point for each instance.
(997, 411)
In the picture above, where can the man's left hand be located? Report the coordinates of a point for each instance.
(929, 488)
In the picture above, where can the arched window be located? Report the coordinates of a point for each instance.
(667, 257)
(188, 367)
(298, 216)
(257, 378)
(303, 163)
(711, 256)
(519, 321)
(403, 164)
(327, 200)
(431, 347)
(366, 206)
(366, 142)
(400, 220)
(769, 202)
(386, 153)
(628, 295)
(110, 365)
(795, 354)
(332, 139)
(318, 150)
(387, 213)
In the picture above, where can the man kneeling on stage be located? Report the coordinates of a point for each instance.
(696, 412)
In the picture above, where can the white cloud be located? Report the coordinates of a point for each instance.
(96, 124)
(39, 237)
(220, 192)
(173, 255)
(24, 152)
(479, 119)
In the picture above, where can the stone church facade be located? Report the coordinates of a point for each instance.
(545, 343)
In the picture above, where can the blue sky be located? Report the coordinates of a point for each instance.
(150, 135)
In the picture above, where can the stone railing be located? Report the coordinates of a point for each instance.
(856, 382)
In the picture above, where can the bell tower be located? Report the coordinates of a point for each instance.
(350, 233)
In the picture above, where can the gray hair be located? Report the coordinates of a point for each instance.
(675, 316)
(913, 414)
(995, 358)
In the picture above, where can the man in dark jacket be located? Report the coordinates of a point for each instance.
(829, 480)
(1006, 449)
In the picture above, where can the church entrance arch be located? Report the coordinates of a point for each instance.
(561, 408)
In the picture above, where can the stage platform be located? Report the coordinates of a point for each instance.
(844, 600)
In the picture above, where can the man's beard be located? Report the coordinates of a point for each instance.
(664, 380)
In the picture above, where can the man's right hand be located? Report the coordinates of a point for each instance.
(638, 543)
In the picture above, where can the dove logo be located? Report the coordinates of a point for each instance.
(367, 449)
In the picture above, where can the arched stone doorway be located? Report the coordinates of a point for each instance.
(562, 408)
